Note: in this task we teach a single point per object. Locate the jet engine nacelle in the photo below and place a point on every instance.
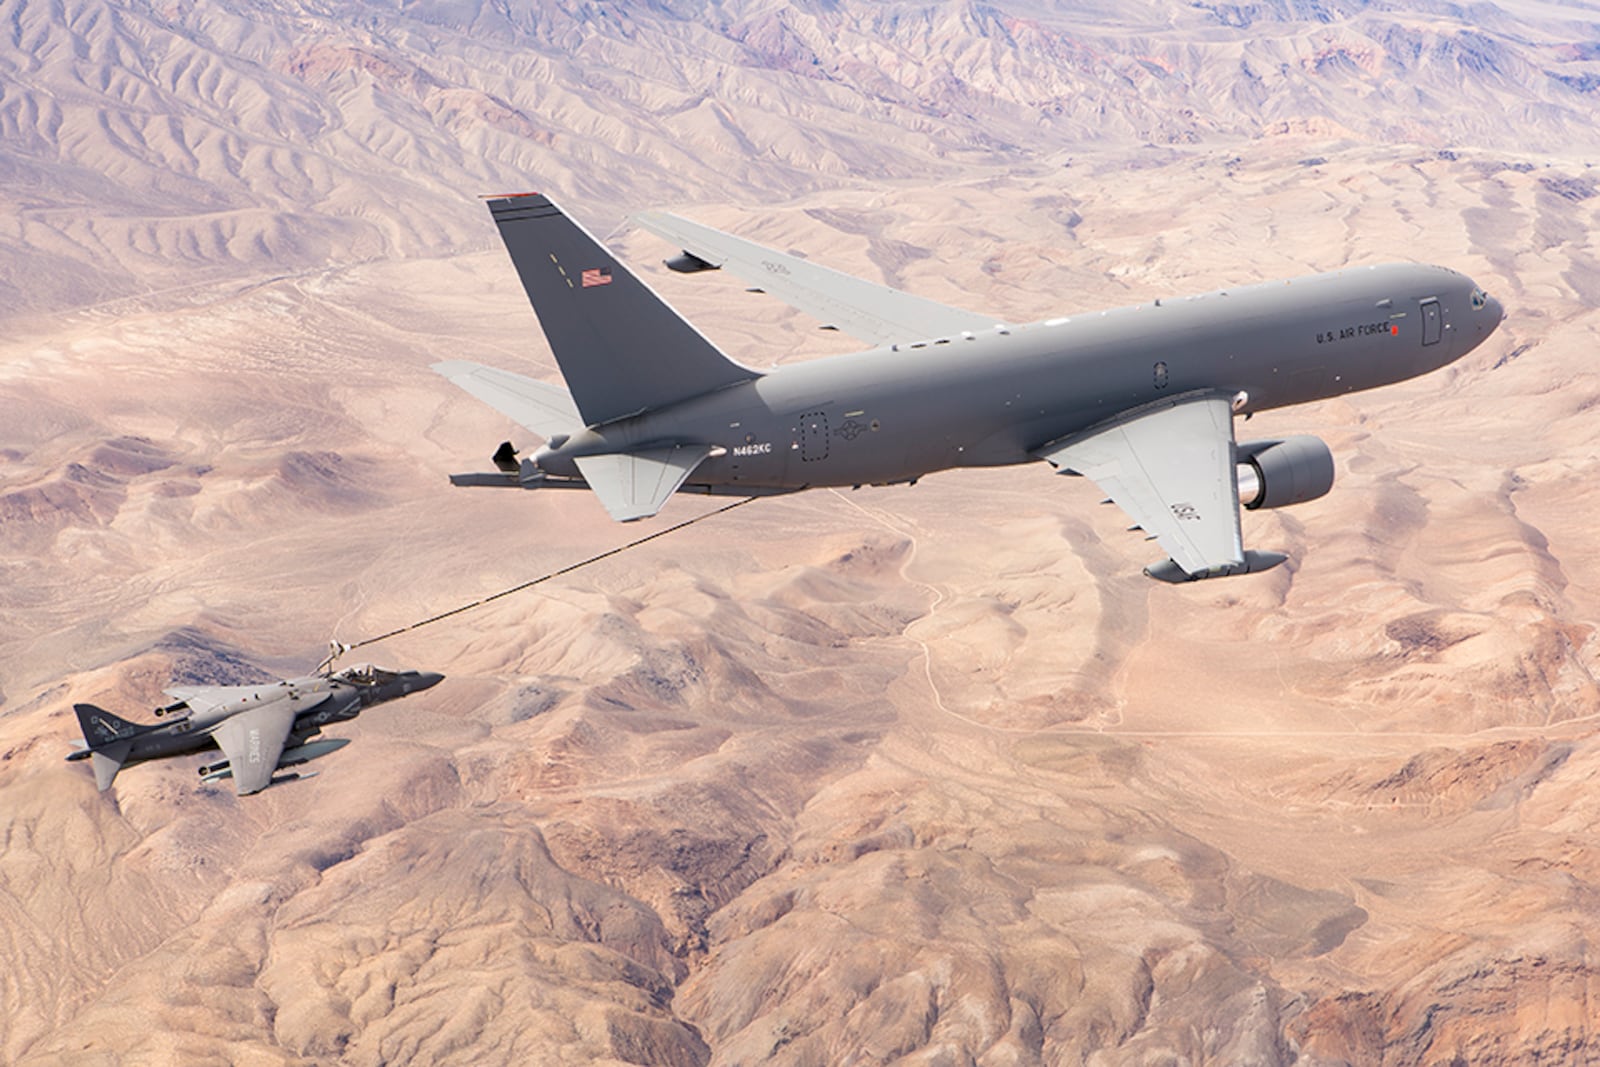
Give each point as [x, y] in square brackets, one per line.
[1287, 471]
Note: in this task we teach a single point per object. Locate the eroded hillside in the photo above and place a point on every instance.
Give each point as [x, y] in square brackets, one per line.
[922, 775]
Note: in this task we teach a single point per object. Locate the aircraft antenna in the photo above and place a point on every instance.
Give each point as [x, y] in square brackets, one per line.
[337, 648]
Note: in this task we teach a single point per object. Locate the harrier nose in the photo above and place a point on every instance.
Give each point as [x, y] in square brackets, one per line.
[417, 681]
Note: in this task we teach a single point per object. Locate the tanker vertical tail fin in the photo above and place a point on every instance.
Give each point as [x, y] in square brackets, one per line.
[621, 348]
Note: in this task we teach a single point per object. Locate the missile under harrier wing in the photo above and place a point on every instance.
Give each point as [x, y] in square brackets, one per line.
[873, 313]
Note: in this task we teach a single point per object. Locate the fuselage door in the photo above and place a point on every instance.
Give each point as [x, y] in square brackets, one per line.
[1432, 321]
[813, 436]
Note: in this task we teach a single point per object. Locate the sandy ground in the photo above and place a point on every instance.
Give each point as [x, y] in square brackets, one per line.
[917, 772]
[918, 775]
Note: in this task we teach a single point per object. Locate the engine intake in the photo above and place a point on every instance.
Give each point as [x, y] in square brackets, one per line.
[1292, 470]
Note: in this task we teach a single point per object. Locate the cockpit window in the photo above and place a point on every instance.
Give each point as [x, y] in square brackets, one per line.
[1479, 299]
[366, 674]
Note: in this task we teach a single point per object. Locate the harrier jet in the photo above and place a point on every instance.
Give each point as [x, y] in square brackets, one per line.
[1141, 400]
[259, 728]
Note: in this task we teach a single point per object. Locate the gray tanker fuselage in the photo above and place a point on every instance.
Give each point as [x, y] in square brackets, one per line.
[1140, 399]
[991, 398]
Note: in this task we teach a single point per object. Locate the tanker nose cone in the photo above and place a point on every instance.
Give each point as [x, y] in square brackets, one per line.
[1487, 312]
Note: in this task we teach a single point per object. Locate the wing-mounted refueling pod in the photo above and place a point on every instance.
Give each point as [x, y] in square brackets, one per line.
[1254, 562]
[686, 262]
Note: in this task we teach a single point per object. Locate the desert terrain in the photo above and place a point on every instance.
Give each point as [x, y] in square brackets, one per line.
[916, 775]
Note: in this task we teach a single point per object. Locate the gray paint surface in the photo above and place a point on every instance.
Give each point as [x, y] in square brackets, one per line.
[987, 394]
[258, 728]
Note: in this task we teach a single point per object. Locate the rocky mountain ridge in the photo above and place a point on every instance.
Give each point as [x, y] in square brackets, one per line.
[153, 145]
[903, 775]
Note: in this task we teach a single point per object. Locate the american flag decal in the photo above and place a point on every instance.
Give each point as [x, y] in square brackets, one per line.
[597, 276]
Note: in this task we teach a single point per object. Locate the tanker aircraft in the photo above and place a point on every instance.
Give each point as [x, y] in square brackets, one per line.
[1141, 400]
[259, 728]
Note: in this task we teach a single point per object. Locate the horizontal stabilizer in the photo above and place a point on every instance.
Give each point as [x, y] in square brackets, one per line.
[545, 409]
[107, 762]
[635, 485]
